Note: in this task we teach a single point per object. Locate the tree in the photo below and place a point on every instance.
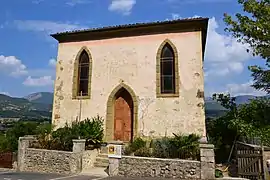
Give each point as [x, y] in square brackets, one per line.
[249, 121]
[252, 28]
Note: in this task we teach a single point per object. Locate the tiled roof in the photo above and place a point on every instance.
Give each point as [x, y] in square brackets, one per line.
[108, 28]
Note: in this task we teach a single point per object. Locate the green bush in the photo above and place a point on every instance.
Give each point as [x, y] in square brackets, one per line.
[180, 146]
[90, 129]
[9, 141]
[137, 144]
[218, 173]
[162, 148]
[143, 152]
[185, 147]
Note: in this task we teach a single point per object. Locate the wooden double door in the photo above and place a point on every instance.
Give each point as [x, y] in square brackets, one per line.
[123, 116]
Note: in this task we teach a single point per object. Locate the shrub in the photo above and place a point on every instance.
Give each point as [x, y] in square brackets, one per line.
[90, 129]
[137, 144]
[143, 152]
[185, 147]
[180, 146]
[161, 148]
[20, 129]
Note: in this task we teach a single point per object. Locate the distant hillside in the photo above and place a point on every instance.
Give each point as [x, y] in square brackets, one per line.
[214, 109]
[11, 107]
[39, 105]
[40, 97]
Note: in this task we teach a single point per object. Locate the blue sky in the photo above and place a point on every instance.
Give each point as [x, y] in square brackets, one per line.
[27, 52]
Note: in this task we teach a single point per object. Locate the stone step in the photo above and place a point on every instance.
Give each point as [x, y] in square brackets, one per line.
[102, 159]
[103, 155]
[103, 150]
[101, 164]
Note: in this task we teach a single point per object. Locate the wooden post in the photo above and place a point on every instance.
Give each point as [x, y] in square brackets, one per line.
[265, 173]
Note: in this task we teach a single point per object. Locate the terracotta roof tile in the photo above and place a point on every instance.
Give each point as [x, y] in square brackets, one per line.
[107, 28]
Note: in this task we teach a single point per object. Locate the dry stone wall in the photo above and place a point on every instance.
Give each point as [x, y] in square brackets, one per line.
[48, 161]
[52, 161]
[156, 167]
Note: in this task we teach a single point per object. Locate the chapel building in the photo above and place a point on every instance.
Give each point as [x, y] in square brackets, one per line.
[144, 79]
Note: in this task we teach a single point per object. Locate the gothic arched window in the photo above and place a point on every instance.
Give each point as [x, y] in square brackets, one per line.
[167, 70]
[82, 74]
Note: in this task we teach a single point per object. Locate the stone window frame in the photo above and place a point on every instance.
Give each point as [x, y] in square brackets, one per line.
[76, 74]
[109, 129]
[176, 71]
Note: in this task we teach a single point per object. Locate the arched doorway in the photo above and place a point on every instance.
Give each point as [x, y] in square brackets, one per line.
[123, 116]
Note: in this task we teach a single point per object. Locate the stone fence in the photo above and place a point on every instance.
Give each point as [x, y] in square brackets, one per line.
[52, 161]
[132, 166]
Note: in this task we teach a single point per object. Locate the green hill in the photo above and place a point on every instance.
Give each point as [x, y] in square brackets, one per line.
[12, 107]
[39, 105]
[40, 97]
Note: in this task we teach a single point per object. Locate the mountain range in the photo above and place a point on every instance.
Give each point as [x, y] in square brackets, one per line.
[39, 105]
[33, 106]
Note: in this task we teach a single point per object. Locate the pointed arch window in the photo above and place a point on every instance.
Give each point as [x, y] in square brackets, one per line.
[83, 78]
[167, 70]
[82, 74]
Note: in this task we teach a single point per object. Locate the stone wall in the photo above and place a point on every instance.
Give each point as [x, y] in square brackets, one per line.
[132, 166]
[88, 159]
[51, 161]
[157, 167]
[48, 161]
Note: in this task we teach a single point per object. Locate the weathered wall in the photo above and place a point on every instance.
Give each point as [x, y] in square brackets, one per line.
[132, 60]
[88, 159]
[156, 167]
[49, 161]
[52, 161]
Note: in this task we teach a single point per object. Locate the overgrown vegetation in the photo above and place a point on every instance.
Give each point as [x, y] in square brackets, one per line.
[9, 140]
[180, 146]
[60, 139]
[247, 121]
[90, 129]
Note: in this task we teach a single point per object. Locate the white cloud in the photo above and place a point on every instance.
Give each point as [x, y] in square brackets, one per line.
[65, 2]
[41, 81]
[47, 27]
[122, 6]
[77, 2]
[5, 93]
[175, 16]
[12, 66]
[52, 62]
[224, 55]
[235, 89]
[243, 89]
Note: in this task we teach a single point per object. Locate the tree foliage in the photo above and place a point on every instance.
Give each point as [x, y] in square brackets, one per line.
[9, 140]
[60, 139]
[248, 121]
[252, 28]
